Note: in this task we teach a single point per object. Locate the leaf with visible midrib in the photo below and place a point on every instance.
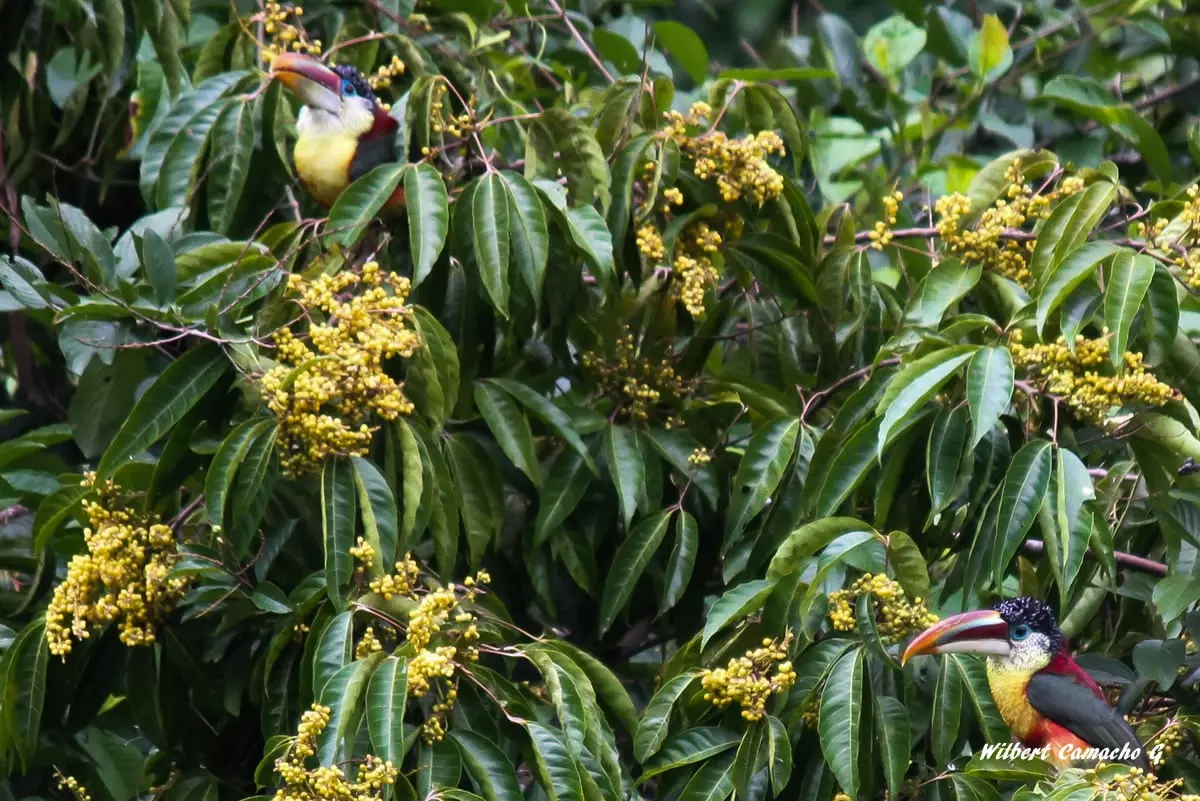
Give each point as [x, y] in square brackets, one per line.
[629, 564]
[1129, 279]
[656, 719]
[165, 403]
[1025, 485]
[840, 721]
[989, 388]
[358, 204]
[428, 211]
[387, 695]
[489, 238]
[337, 527]
[491, 769]
[25, 671]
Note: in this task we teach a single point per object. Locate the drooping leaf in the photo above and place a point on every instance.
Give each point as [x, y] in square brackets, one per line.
[629, 563]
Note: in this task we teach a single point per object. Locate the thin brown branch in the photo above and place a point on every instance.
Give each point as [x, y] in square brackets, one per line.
[817, 399]
[1129, 560]
[578, 37]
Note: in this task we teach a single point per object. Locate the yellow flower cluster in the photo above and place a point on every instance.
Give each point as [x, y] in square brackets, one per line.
[739, 165]
[700, 456]
[1134, 785]
[740, 169]
[637, 385]
[323, 389]
[988, 243]
[881, 237]
[402, 582]
[382, 77]
[1183, 249]
[363, 554]
[751, 679]
[896, 617]
[283, 34]
[123, 576]
[1170, 738]
[810, 716]
[368, 644]
[650, 243]
[327, 783]
[74, 787]
[453, 124]
[1075, 377]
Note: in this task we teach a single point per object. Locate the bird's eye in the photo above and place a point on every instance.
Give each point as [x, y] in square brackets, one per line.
[1019, 632]
[348, 87]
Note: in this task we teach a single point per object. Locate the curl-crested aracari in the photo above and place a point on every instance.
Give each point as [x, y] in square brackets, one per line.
[343, 131]
[1042, 693]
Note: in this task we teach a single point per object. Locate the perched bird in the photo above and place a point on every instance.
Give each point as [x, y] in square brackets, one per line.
[343, 131]
[1044, 696]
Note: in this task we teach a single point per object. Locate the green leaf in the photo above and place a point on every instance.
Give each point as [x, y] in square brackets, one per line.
[361, 201]
[749, 757]
[557, 769]
[759, 473]
[656, 719]
[914, 385]
[947, 711]
[439, 356]
[840, 722]
[735, 604]
[510, 428]
[428, 210]
[562, 492]
[892, 735]
[682, 561]
[688, 747]
[529, 231]
[381, 529]
[544, 409]
[1129, 278]
[1159, 660]
[676, 447]
[337, 527]
[890, 46]
[1091, 99]
[343, 694]
[25, 688]
[1069, 226]
[482, 490]
[779, 755]
[629, 563]
[1072, 488]
[335, 650]
[1173, 595]
[229, 164]
[176, 390]
[713, 782]
[944, 455]
[586, 229]
[975, 681]
[53, 511]
[159, 262]
[991, 181]
[491, 770]
[687, 48]
[907, 560]
[412, 487]
[940, 289]
[990, 54]
[1061, 280]
[1025, 485]
[490, 239]
[625, 467]
[228, 459]
[990, 382]
[794, 552]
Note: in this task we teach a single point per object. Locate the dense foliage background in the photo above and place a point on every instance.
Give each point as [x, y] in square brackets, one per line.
[719, 347]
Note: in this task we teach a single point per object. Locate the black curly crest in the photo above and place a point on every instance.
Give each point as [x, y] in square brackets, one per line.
[351, 74]
[1033, 613]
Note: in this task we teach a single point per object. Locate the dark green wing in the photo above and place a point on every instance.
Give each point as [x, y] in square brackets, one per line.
[1080, 711]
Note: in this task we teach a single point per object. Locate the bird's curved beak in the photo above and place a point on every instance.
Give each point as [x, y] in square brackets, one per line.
[980, 632]
[309, 79]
